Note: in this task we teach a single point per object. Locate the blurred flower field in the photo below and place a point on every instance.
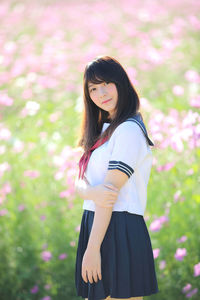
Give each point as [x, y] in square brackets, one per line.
[45, 46]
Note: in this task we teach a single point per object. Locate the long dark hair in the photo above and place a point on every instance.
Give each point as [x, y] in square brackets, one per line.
[105, 69]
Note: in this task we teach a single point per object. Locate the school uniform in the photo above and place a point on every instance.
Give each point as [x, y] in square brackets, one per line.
[127, 263]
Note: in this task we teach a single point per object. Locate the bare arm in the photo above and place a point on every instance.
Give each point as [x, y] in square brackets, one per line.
[103, 214]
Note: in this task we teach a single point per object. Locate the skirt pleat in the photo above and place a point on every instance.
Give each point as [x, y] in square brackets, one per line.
[127, 262]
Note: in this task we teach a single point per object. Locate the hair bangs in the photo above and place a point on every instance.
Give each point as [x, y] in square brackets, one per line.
[97, 73]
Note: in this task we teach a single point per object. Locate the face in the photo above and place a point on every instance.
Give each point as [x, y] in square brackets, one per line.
[104, 91]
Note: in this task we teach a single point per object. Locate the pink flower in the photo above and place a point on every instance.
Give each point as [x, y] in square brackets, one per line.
[5, 134]
[194, 21]
[186, 288]
[182, 239]
[21, 207]
[162, 264]
[46, 255]
[47, 286]
[27, 94]
[192, 76]
[163, 219]
[195, 102]
[156, 225]
[62, 256]
[190, 172]
[165, 167]
[156, 253]
[72, 243]
[180, 253]
[31, 173]
[77, 229]
[7, 188]
[177, 195]
[197, 269]
[55, 116]
[191, 293]
[178, 90]
[5, 100]
[65, 194]
[34, 290]
[3, 212]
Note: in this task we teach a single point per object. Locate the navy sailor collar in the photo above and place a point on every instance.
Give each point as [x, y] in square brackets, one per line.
[138, 119]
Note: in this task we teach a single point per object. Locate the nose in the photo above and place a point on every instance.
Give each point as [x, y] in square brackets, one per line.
[102, 91]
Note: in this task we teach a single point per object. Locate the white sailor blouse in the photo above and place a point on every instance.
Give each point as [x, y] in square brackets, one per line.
[127, 150]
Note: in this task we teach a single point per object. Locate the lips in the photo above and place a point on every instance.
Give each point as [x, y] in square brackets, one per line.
[106, 101]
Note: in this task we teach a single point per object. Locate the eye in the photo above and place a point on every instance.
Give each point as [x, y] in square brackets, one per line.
[106, 82]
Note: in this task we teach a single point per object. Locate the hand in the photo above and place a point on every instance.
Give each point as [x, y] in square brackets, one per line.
[91, 265]
[104, 195]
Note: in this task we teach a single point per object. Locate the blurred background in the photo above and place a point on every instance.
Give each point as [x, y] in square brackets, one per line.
[44, 47]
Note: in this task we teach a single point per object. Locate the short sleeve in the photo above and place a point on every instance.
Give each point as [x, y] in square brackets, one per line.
[129, 148]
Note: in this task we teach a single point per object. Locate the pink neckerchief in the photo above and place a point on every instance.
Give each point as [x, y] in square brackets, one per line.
[85, 158]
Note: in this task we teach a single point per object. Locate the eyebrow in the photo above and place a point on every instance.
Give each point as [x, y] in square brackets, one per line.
[90, 85]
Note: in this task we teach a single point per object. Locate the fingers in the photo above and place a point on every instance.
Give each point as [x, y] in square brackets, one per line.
[91, 277]
[112, 192]
[105, 205]
[110, 186]
[84, 278]
[84, 275]
[95, 277]
[110, 203]
[99, 275]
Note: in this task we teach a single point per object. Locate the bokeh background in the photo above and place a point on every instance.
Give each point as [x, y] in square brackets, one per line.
[44, 47]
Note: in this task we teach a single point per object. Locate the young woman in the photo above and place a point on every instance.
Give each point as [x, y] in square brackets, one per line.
[114, 256]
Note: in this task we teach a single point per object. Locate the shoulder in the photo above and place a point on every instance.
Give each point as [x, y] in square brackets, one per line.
[129, 133]
[128, 128]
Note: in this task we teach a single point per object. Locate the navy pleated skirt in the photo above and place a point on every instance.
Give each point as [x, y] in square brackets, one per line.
[127, 262]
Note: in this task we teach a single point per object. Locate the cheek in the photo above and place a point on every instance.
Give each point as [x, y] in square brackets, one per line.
[113, 89]
[95, 99]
